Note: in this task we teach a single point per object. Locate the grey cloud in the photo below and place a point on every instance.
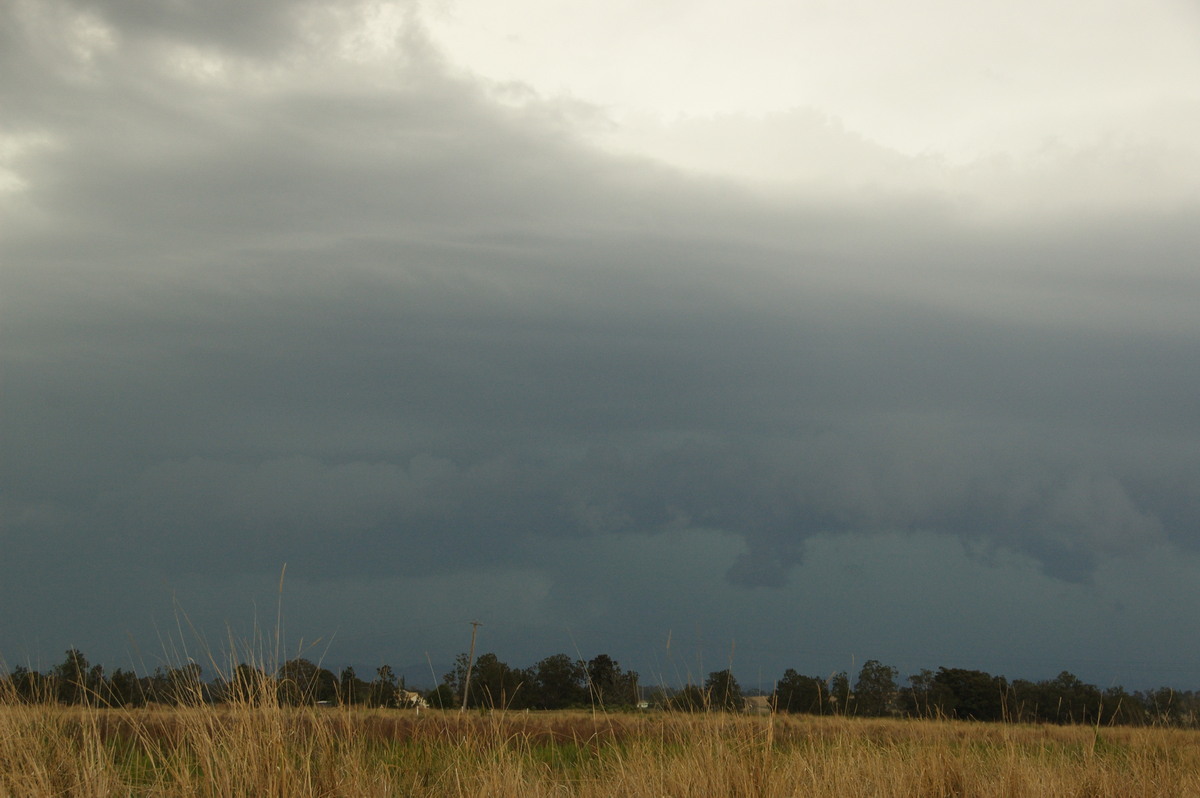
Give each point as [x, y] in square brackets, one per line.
[254, 28]
[728, 416]
[400, 330]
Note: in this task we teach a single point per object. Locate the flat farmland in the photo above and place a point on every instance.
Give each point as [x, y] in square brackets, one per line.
[51, 750]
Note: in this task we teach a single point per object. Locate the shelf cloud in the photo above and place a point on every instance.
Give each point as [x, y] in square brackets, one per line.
[283, 284]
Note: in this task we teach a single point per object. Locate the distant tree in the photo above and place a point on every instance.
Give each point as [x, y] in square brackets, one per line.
[609, 685]
[442, 697]
[970, 695]
[1166, 706]
[351, 689]
[32, 687]
[303, 682]
[183, 685]
[327, 688]
[723, 691]
[456, 678]
[629, 691]
[96, 684]
[295, 679]
[1122, 708]
[841, 700]
[558, 683]
[603, 675]
[494, 684]
[875, 689]
[157, 686]
[385, 688]
[249, 686]
[690, 698]
[70, 677]
[1078, 702]
[125, 689]
[914, 699]
[797, 693]
[925, 697]
[1162, 705]
[660, 697]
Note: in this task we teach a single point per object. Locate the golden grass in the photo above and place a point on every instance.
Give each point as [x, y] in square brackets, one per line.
[52, 750]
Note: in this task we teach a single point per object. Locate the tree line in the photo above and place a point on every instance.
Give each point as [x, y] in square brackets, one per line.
[560, 682]
[977, 695]
[297, 681]
[556, 682]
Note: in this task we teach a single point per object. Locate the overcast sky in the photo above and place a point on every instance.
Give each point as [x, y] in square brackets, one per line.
[780, 334]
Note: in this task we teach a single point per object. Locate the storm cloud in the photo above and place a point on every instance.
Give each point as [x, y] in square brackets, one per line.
[274, 292]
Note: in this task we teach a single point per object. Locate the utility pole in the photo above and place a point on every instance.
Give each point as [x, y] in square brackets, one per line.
[470, 663]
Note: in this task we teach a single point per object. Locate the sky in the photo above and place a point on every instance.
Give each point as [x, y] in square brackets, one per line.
[762, 335]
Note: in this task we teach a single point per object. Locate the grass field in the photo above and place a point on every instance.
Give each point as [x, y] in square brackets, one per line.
[51, 750]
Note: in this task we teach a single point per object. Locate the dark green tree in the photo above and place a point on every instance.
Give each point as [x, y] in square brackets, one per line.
[384, 688]
[797, 693]
[183, 685]
[688, 699]
[1077, 701]
[494, 684]
[456, 678]
[125, 689]
[603, 676]
[303, 682]
[609, 685]
[442, 697]
[1163, 705]
[70, 678]
[351, 689]
[841, 700]
[249, 686]
[723, 691]
[1122, 708]
[558, 683]
[925, 697]
[970, 695]
[32, 687]
[97, 685]
[875, 689]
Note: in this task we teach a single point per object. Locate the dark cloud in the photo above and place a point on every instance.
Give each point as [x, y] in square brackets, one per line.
[393, 329]
[256, 29]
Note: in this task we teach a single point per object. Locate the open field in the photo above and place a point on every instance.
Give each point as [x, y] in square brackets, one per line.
[54, 750]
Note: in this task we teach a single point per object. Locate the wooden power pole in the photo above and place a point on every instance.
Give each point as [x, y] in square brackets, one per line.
[470, 663]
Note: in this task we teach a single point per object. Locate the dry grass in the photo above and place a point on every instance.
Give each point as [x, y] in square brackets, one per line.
[51, 750]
